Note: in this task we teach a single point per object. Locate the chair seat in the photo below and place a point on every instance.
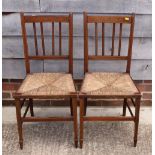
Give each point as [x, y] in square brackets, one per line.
[47, 84]
[103, 83]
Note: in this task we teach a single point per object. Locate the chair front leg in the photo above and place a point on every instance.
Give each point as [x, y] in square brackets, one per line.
[81, 121]
[74, 105]
[19, 122]
[31, 106]
[137, 109]
[124, 107]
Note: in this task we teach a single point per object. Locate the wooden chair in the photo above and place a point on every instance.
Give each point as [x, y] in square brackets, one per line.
[46, 85]
[109, 85]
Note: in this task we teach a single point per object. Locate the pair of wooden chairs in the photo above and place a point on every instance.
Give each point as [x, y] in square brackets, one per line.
[61, 86]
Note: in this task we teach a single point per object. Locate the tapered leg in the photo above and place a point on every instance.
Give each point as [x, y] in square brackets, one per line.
[81, 122]
[137, 108]
[85, 106]
[124, 107]
[31, 106]
[19, 122]
[71, 107]
[74, 105]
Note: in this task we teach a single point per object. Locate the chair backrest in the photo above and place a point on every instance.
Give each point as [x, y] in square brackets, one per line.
[40, 21]
[112, 54]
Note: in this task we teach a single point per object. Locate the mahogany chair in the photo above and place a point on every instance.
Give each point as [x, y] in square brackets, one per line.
[109, 85]
[46, 85]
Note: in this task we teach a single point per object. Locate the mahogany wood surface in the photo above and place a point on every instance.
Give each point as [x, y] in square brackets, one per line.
[115, 55]
[21, 99]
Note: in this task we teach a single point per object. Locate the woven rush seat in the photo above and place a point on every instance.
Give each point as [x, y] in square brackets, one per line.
[103, 83]
[47, 84]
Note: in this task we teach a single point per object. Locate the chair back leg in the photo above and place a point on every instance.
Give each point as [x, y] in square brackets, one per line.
[124, 107]
[85, 106]
[71, 107]
[31, 106]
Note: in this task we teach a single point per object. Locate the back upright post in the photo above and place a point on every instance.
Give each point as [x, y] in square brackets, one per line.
[130, 44]
[27, 63]
[85, 43]
[71, 43]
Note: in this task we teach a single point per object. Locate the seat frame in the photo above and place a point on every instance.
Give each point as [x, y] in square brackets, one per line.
[135, 98]
[21, 100]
